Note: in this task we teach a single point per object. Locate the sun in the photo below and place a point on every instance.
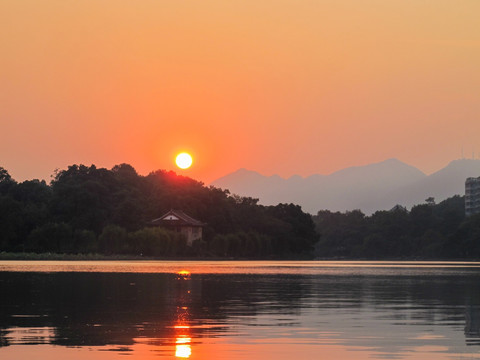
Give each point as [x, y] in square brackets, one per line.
[184, 160]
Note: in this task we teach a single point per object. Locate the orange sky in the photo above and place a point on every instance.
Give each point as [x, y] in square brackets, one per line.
[285, 87]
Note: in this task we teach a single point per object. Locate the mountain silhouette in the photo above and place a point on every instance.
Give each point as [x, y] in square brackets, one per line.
[378, 186]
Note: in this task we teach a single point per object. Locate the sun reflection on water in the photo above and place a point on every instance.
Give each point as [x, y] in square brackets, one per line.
[183, 339]
[184, 274]
[183, 348]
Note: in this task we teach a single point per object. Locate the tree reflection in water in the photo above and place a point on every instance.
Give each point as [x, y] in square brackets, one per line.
[177, 313]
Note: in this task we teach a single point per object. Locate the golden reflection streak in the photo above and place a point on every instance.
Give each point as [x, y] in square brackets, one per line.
[183, 275]
[183, 348]
[183, 340]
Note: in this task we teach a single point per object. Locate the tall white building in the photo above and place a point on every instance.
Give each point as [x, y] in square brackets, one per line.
[472, 196]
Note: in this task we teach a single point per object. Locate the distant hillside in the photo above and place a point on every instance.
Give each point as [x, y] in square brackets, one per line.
[441, 185]
[372, 187]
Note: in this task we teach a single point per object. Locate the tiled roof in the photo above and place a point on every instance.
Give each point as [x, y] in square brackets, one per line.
[184, 218]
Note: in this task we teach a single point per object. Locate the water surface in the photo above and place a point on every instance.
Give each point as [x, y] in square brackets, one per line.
[239, 310]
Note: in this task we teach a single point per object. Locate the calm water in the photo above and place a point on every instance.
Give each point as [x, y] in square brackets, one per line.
[239, 310]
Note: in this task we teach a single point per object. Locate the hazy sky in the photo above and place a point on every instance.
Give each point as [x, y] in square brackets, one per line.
[285, 87]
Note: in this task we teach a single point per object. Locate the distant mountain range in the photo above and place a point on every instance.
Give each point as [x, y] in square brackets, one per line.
[372, 187]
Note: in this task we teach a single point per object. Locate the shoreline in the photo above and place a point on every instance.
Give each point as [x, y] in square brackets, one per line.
[7, 256]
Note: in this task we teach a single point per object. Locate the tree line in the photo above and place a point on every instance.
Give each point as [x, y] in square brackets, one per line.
[427, 231]
[85, 209]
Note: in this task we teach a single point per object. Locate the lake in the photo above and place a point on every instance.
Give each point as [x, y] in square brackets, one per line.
[239, 310]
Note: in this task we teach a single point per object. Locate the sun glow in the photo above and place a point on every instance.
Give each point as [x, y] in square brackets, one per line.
[184, 160]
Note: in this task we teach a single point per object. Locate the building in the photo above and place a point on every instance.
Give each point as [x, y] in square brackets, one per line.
[177, 220]
[472, 196]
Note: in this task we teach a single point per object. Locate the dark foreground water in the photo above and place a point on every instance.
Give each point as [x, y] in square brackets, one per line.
[239, 310]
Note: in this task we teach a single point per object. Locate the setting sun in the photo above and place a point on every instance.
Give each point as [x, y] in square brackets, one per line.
[184, 160]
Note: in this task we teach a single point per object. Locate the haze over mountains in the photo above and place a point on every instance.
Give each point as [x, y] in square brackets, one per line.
[372, 187]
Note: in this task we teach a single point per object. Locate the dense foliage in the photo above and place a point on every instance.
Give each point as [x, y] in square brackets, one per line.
[427, 231]
[86, 209]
